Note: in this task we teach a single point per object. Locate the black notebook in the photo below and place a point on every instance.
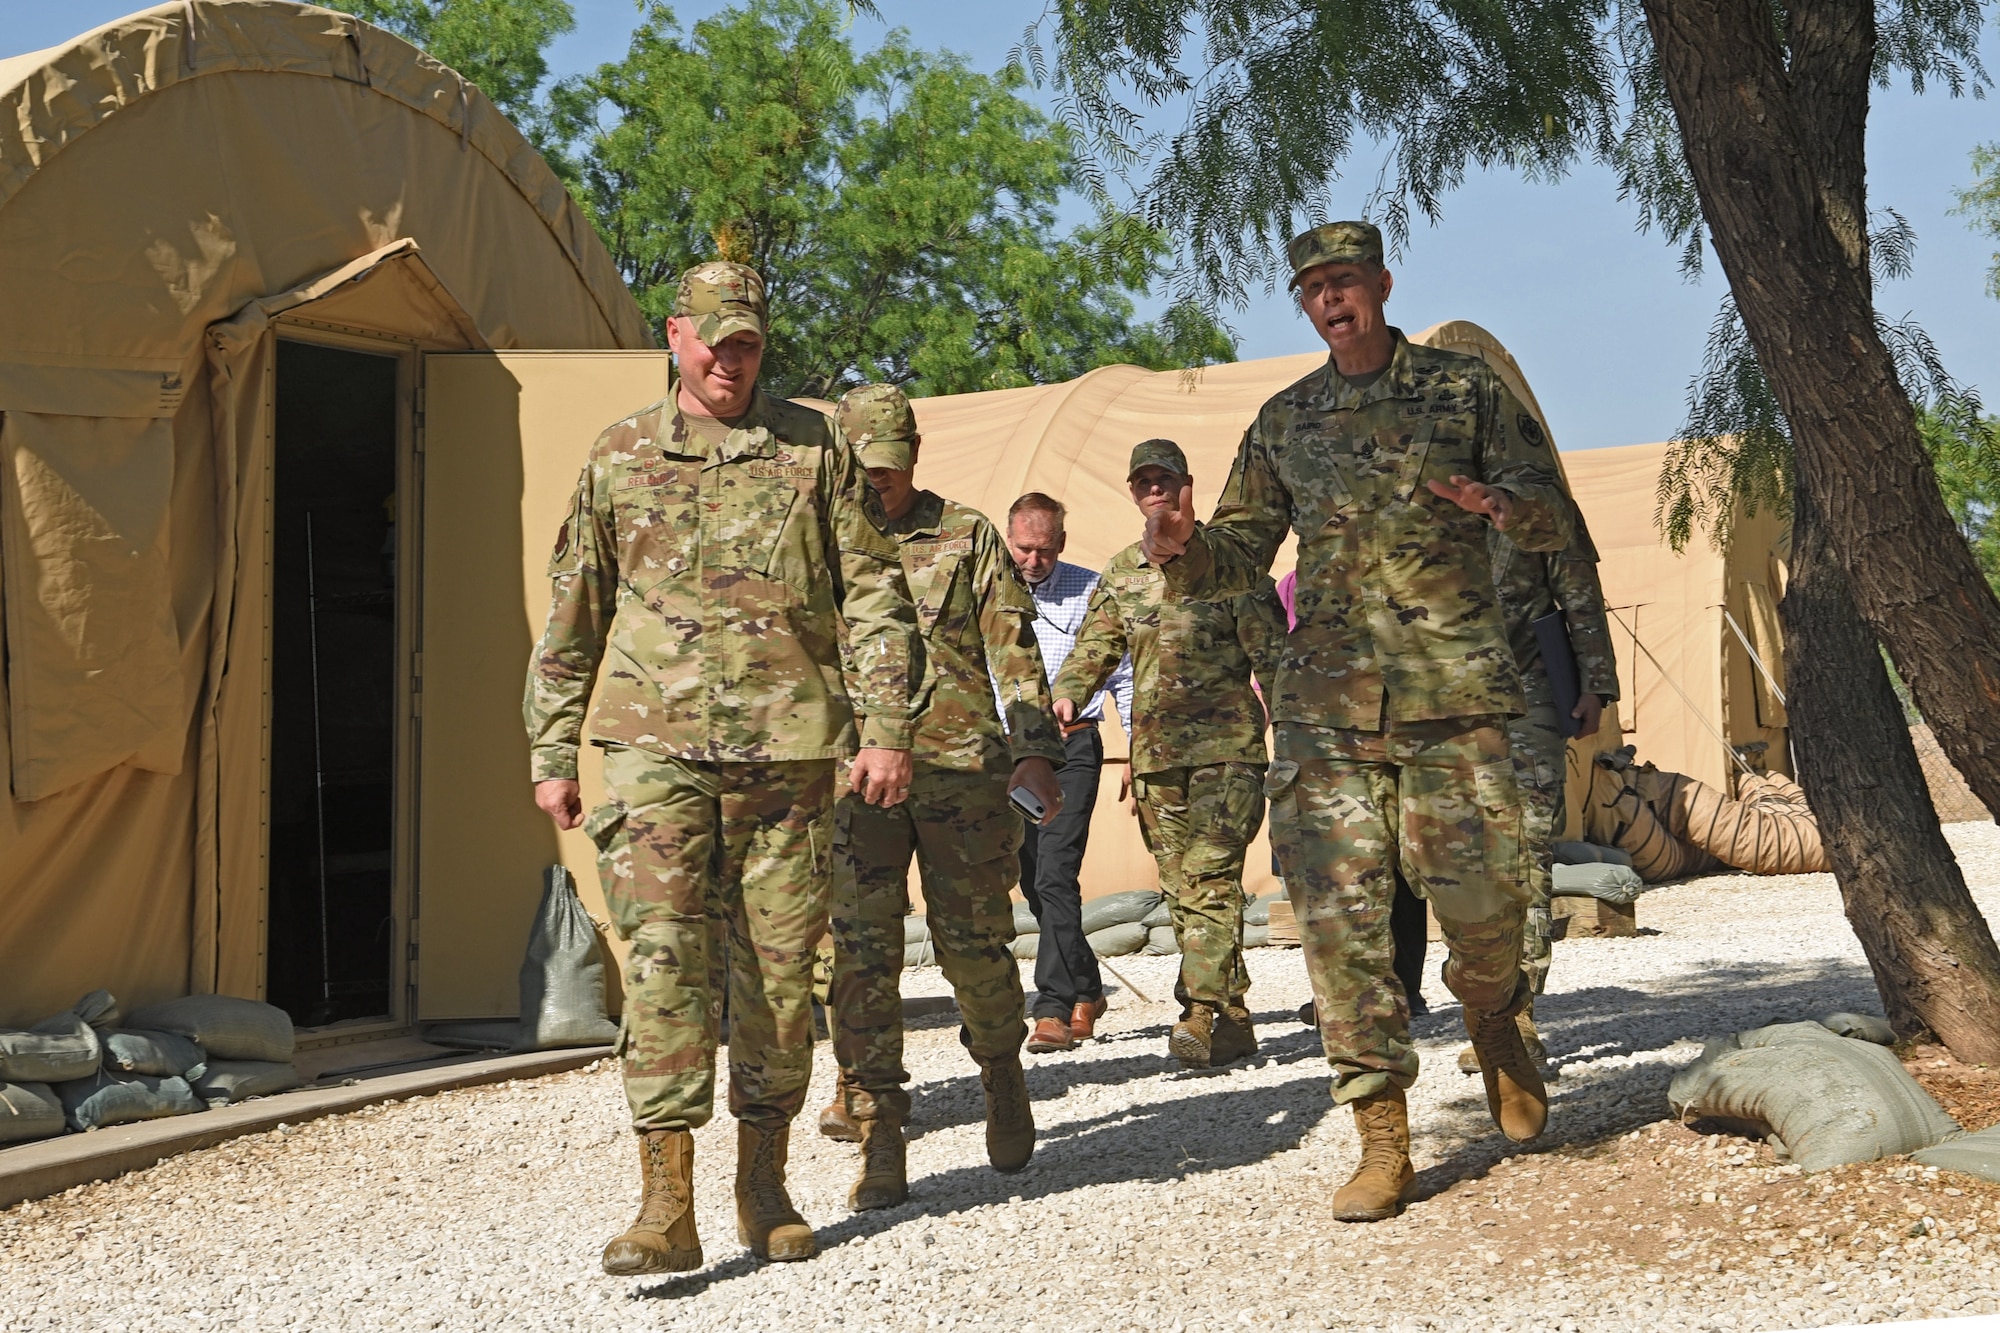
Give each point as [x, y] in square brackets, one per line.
[1559, 661]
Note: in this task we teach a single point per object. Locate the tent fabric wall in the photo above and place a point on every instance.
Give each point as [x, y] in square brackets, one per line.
[177, 188]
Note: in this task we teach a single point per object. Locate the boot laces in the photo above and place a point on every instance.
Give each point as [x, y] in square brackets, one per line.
[1495, 1037]
[1379, 1146]
[662, 1202]
[878, 1140]
[1005, 1091]
[767, 1185]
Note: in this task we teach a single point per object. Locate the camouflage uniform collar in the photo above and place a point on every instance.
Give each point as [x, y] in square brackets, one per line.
[751, 437]
[924, 519]
[1398, 381]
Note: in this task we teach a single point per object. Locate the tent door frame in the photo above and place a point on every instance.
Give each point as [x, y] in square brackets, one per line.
[403, 950]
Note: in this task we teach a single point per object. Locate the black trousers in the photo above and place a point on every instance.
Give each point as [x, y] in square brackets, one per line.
[1051, 855]
[1409, 926]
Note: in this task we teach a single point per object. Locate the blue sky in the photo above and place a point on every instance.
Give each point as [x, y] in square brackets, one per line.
[1597, 314]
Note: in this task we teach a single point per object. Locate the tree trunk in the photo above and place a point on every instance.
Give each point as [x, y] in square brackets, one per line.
[1774, 142]
[1933, 957]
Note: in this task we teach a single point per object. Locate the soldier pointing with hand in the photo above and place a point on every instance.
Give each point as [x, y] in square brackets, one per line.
[1391, 463]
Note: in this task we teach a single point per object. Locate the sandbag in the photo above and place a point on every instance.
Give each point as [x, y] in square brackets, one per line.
[228, 1081]
[1258, 913]
[1257, 937]
[1163, 915]
[1590, 853]
[106, 1099]
[29, 1111]
[55, 1050]
[161, 1054]
[1769, 830]
[1974, 1154]
[1116, 941]
[562, 978]
[1603, 880]
[1822, 1099]
[99, 1009]
[920, 953]
[1160, 940]
[1119, 909]
[225, 1026]
[915, 929]
[1861, 1027]
[1024, 921]
[1024, 946]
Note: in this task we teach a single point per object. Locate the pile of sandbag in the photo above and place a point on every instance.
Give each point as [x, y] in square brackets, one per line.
[1139, 921]
[90, 1066]
[1674, 826]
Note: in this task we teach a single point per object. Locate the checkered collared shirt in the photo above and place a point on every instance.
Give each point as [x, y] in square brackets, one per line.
[1060, 601]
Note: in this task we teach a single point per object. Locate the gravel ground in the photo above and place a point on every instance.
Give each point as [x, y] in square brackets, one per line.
[1157, 1200]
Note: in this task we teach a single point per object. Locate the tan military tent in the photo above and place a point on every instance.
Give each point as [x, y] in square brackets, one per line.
[1072, 441]
[258, 464]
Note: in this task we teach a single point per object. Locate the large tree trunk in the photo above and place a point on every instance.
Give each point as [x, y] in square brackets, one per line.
[1773, 127]
[1933, 957]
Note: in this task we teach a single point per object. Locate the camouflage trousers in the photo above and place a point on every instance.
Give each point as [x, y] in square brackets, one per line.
[1541, 765]
[964, 834]
[718, 875]
[1198, 823]
[1438, 797]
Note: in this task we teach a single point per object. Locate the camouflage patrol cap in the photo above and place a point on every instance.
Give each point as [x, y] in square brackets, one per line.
[1158, 453]
[877, 421]
[1334, 243]
[721, 298]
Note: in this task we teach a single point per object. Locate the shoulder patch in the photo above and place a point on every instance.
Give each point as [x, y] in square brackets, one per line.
[1531, 431]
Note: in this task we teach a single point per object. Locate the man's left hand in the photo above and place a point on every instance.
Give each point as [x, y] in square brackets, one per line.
[1589, 711]
[1476, 497]
[881, 776]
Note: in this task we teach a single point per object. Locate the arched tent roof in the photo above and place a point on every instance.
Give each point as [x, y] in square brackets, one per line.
[162, 171]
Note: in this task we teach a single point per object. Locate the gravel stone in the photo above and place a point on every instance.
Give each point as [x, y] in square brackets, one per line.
[1157, 1200]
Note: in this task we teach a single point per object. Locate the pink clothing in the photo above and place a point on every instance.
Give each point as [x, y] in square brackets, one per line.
[1288, 593]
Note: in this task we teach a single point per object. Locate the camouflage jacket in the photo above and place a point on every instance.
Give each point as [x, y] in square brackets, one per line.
[1191, 662]
[1532, 584]
[975, 617]
[1398, 618]
[708, 587]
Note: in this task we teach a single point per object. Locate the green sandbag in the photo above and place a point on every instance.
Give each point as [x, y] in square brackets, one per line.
[226, 1026]
[1163, 915]
[228, 1081]
[1861, 1027]
[1822, 1099]
[1025, 923]
[1117, 941]
[119, 1099]
[29, 1111]
[1119, 909]
[1590, 853]
[915, 929]
[161, 1054]
[56, 1050]
[1603, 881]
[1257, 937]
[1258, 913]
[920, 953]
[1024, 946]
[1160, 940]
[1974, 1154]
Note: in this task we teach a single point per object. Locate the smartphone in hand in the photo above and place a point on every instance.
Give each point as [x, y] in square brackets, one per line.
[1029, 804]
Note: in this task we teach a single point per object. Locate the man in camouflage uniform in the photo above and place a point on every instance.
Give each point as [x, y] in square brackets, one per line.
[1197, 752]
[1389, 462]
[974, 615]
[1534, 584]
[717, 542]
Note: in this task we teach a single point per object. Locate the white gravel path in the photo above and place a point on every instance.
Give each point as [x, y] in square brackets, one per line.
[1156, 1201]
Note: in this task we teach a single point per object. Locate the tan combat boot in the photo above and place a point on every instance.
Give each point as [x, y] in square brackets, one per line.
[662, 1239]
[1516, 1098]
[1234, 1037]
[1193, 1039]
[765, 1218]
[1010, 1118]
[1468, 1059]
[884, 1179]
[834, 1122]
[1383, 1182]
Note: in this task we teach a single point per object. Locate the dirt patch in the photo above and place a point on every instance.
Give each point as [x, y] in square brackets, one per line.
[1970, 1094]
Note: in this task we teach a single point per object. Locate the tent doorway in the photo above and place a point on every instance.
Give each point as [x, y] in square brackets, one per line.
[336, 735]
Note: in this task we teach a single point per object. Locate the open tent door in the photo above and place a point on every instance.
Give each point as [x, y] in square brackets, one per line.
[505, 435]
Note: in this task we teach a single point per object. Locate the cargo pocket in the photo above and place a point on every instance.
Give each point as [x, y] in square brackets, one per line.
[603, 825]
[1499, 799]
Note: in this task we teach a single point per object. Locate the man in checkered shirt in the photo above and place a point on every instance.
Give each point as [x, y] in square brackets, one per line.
[1069, 993]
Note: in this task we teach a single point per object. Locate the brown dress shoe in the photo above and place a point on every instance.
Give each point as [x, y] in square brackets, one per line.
[662, 1238]
[1083, 1018]
[1382, 1184]
[765, 1218]
[1050, 1034]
